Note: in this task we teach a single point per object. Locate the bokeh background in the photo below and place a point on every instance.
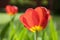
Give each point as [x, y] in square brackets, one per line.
[52, 5]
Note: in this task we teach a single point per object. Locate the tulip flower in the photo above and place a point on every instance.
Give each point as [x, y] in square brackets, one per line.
[35, 19]
[11, 10]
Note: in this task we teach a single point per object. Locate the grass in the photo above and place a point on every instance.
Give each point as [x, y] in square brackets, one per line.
[4, 18]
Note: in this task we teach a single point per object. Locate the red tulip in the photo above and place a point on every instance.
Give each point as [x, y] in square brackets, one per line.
[35, 19]
[11, 10]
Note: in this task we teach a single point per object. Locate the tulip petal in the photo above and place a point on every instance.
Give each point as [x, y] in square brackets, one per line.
[40, 14]
[28, 16]
[8, 9]
[45, 18]
[14, 9]
[11, 10]
[23, 20]
[35, 18]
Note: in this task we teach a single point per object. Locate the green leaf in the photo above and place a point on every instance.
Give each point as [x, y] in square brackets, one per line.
[12, 30]
[30, 36]
[53, 32]
[46, 37]
[5, 29]
[22, 34]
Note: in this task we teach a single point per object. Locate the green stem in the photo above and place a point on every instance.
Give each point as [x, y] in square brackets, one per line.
[36, 35]
[11, 27]
[43, 35]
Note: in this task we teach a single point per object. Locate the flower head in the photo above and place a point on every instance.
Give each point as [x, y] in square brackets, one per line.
[35, 19]
[11, 10]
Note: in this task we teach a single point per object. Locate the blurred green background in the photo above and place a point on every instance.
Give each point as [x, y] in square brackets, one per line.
[52, 5]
